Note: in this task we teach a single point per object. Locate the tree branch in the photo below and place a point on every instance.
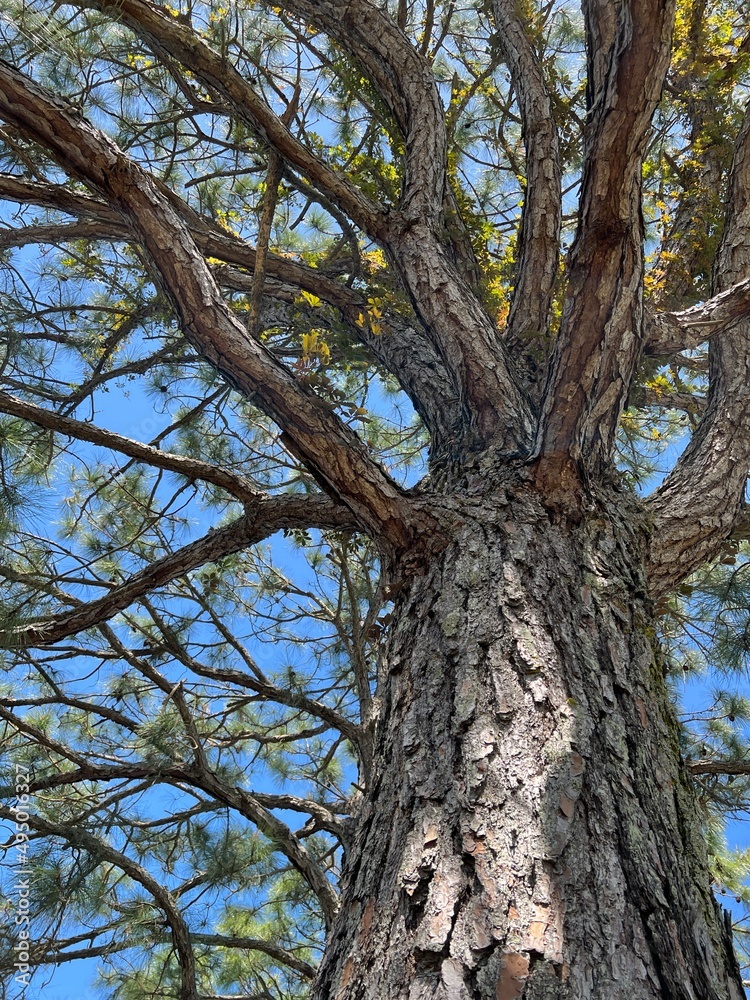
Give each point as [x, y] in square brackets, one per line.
[270, 514]
[539, 235]
[599, 342]
[313, 430]
[683, 256]
[100, 221]
[276, 831]
[460, 330]
[256, 683]
[495, 407]
[273, 951]
[197, 776]
[668, 400]
[166, 34]
[671, 332]
[270, 200]
[323, 816]
[404, 350]
[192, 468]
[717, 767]
[59, 956]
[76, 836]
[60, 199]
[404, 79]
[700, 502]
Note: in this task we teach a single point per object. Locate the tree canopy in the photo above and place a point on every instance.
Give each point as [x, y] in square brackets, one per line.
[271, 275]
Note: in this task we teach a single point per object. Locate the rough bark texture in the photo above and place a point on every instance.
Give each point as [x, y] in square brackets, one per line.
[595, 355]
[527, 830]
[530, 833]
[704, 493]
[539, 233]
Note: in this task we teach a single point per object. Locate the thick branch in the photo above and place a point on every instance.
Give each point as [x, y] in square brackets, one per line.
[404, 350]
[670, 332]
[270, 514]
[700, 502]
[539, 236]
[313, 430]
[718, 767]
[458, 326]
[494, 406]
[599, 342]
[164, 33]
[601, 18]
[405, 81]
[85, 229]
[60, 199]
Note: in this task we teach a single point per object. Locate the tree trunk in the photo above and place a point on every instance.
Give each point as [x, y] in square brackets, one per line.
[530, 832]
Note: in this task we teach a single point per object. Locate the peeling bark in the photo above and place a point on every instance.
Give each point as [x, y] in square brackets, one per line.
[527, 830]
[530, 832]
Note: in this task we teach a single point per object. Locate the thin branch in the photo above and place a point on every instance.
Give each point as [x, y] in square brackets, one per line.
[669, 400]
[277, 832]
[273, 951]
[270, 514]
[257, 683]
[195, 775]
[192, 468]
[102, 222]
[270, 200]
[407, 353]
[325, 819]
[166, 34]
[76, 836]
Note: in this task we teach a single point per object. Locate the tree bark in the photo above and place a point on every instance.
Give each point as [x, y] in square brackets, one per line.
[530, 832]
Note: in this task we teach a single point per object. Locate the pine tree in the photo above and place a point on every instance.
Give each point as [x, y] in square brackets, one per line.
[374, 439]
